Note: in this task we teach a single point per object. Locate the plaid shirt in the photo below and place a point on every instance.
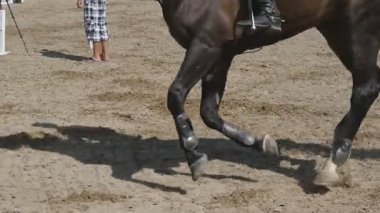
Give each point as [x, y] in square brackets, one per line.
[95, 20]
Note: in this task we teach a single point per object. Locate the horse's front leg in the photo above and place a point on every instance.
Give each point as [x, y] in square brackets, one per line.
[199, 59]
[213, 85]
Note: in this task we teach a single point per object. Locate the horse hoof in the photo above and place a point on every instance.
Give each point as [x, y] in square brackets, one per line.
[327, 176]
[343, 153]
[198, 168]
[331, 175]
[270, 147]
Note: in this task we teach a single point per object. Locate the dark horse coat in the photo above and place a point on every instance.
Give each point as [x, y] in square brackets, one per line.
[207, 30]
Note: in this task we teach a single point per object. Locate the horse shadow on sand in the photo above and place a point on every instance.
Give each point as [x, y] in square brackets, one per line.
[128, 154]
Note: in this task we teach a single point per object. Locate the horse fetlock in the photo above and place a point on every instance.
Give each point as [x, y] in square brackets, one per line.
[342, 152]
[247, 139]
[198, 168]
[241, 136]
[190, 142]
[185, 130]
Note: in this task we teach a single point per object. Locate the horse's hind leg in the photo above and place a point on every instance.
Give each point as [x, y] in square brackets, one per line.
[199, 58]
[213, 85]
[358, 50]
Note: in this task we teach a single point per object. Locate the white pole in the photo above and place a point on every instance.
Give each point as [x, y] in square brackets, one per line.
[2, 32]
[2, 27]
[4, 2]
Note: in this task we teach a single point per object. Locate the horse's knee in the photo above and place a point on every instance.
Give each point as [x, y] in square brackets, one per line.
[175, 97]
[365, 94]
[211, 117]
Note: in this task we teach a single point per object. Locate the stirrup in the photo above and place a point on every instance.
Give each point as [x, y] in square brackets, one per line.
[251, 21]
[244, 23]
[273, 24]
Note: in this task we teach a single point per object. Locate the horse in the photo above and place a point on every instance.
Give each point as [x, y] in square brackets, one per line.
[209, 32]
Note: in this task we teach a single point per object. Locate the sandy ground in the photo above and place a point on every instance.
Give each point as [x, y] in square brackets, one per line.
[85, 137]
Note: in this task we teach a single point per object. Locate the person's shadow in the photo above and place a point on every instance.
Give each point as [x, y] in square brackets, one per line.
[56, 54]
[129, 154]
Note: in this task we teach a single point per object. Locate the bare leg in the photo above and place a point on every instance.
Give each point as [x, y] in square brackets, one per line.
[104, 56]
[96, 51]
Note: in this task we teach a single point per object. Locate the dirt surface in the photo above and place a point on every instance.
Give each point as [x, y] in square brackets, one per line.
[97, 137]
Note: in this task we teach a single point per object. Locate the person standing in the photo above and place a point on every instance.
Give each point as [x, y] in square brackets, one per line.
[95, 24]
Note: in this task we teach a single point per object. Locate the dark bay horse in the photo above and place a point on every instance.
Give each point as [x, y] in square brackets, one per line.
[207, 30]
